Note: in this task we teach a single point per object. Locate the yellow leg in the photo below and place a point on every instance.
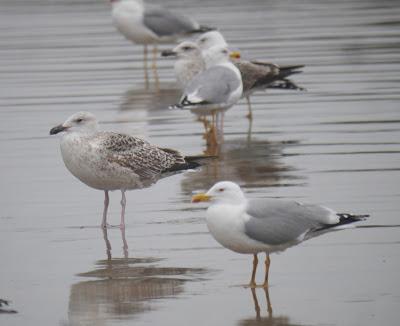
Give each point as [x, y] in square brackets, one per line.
[267, 264]
[253, 273]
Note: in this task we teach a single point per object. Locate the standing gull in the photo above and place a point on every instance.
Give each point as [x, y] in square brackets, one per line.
[265, 225]
[150, 24]
[215, 89]
[112, 161]
[256, 75]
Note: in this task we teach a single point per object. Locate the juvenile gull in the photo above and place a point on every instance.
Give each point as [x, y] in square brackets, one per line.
[113, 161]
[189, 61]
[265, 225]
[151, 24]
[256, 75]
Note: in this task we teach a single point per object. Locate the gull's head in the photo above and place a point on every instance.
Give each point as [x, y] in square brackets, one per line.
[226, 192]
[215, 55]
[208, 40]
[83, 122]
[184, 50]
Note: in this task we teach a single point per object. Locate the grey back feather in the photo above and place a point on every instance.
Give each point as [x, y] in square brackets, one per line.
[165, 23]
[278, 222]
[214, 85]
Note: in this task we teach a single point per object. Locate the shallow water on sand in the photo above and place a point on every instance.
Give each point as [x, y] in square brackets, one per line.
[336, 144]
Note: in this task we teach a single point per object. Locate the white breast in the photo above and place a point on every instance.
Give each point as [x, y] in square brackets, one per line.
[226, 225]
[127, 17]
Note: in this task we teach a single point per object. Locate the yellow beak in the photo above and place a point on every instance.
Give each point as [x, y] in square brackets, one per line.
[200, 198]
[234, 55]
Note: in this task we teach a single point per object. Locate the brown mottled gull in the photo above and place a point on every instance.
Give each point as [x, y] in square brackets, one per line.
[112, 161]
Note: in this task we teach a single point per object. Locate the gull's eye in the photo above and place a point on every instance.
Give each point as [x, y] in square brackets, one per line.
[186, 48]
[79, 120]
[224, 51]
[221, 189]
[202, 40]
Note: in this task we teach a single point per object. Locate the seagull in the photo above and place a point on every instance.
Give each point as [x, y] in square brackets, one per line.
[265, 225]
[216, 88]
[151, 24]
[112, 161]
[189, 61]
[256, 75]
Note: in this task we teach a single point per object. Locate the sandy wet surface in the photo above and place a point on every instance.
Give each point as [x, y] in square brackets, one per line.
[336, 144]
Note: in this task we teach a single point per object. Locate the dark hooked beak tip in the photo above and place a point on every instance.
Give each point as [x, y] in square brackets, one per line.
[168, 53]
[57, 129]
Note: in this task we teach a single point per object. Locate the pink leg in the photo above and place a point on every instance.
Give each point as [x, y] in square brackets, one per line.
[106, 202]
[123, 203]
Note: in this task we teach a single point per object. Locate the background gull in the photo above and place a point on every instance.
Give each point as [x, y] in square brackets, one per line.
[265, 225]
[150, 24]
[189, 61]
[256, 75]
[216, 88]
[112, 161]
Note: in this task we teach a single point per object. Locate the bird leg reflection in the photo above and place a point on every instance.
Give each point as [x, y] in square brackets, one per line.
[154, 66]
[145, 67]
[106, 202]
[267, 264]
[250, 114]
[257, 306]
[123, 204]
[253, 273]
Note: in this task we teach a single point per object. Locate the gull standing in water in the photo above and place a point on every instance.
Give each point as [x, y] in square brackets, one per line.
[256, 75]
[265, 225]
[150, 24]
[113, 161]
[215, 89]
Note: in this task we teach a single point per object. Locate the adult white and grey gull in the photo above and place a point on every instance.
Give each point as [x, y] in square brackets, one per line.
[151, 24]
[113, 161]
[215, 89]
[251, 226]
[256, 75]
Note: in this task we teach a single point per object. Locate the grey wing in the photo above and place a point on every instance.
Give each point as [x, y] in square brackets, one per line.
[214, 85]
[166, 23]
[278, 222]
[136, 154]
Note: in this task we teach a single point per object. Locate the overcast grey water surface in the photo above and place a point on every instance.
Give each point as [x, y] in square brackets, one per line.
[336, 144]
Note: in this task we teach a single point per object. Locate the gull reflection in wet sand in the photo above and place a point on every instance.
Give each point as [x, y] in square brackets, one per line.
[256, 164]
[269, 319]
[122, 288]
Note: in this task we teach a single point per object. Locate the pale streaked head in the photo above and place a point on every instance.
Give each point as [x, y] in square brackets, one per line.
[83, 122]
[184, 50]
[222, 192]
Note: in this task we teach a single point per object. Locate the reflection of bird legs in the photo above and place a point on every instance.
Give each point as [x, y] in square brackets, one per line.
[250, 114]
[257, 306]
[104, 223]
[125, 244]
[249, 130]
[108, 244]
[154, 66]
[145, 67]
[123, 204]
